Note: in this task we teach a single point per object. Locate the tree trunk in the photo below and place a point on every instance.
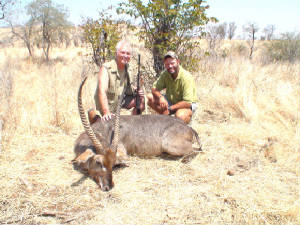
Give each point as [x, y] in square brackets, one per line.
[158, 61]
[29, 49]
[48, 48]
[157, 52]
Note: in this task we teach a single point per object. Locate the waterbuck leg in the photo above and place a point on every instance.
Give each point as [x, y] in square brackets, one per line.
[189, 157]
[177, 141]
[122, 156]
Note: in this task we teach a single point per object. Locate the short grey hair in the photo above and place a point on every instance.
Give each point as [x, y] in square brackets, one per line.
[122, 43]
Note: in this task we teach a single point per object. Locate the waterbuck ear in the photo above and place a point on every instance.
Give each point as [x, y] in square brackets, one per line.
[84, 157]
[99, 159]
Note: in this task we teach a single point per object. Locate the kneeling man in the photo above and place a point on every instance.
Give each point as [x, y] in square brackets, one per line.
[180, 98]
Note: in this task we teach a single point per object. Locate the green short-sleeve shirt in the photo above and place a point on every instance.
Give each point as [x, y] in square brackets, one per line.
[183, 88]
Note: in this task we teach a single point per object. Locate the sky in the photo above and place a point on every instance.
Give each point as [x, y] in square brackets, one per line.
[284, 14]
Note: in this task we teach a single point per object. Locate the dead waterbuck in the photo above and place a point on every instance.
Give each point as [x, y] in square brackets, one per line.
[98, 152]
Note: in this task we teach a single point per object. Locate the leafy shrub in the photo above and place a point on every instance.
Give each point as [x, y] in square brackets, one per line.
[286, 49]
[240, 49]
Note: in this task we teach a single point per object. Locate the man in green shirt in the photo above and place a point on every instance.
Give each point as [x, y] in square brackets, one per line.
[180, 98]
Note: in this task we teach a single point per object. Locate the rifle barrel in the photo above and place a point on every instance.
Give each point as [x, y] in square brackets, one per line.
[137, 101]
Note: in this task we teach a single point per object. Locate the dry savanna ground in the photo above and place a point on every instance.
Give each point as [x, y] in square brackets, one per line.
[248, 173]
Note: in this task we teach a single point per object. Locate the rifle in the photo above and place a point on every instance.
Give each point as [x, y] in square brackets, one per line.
[137, 100]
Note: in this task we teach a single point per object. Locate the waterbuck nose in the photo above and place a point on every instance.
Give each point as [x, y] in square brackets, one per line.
[106, 188]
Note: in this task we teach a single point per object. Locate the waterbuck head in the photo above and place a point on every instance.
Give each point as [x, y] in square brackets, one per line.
[99, 165]
[100, 168]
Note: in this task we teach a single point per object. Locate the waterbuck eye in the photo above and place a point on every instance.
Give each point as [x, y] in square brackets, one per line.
[98, 163]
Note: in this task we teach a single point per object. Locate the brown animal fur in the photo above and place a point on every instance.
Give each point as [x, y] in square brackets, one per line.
[142, 135]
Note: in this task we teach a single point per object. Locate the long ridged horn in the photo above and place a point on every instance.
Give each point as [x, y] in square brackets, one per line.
[87, 127]
[115, 140]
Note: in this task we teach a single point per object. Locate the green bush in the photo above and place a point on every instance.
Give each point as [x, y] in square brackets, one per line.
[286, 49]
[240, 49]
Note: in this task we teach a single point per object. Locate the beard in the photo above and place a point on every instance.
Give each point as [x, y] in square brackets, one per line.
[173, 71]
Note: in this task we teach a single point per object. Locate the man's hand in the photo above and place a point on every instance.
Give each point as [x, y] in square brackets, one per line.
[107, 117]
[141, 93]
[163, 103]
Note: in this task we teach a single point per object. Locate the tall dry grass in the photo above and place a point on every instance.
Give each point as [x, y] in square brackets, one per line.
[264, 98]
[44, 95]
[248, 121]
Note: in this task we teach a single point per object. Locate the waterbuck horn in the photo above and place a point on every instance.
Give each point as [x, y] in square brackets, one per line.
[115, 140]
[86, 124]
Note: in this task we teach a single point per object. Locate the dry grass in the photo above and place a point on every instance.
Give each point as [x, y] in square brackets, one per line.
[248, 173]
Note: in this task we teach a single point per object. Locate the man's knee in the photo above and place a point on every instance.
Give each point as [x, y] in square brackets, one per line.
[149, 97]
[150, 100]
[93, 116]
[184, 114]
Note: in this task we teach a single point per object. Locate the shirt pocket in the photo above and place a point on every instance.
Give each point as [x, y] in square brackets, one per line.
[110, 96]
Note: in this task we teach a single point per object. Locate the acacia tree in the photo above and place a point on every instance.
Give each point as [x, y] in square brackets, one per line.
[215, 33]
[251, 29]
[222, 30]
[21, 26]
[212, 36]
[167, 24]
[52, 19]
[231, 30]
[269, 32]
[102, 35]
[25, 33]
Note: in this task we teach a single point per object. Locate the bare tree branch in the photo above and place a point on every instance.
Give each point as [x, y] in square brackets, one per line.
[4, 4]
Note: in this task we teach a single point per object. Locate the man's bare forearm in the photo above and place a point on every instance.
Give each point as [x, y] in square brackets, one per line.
[156, 93]
[103, 103]
[181, 105]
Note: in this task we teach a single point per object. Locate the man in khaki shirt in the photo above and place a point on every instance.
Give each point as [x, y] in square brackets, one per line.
[111, 81]
[180, 98]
